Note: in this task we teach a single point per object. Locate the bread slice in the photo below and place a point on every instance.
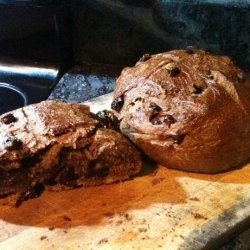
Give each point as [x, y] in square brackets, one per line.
[60, 143]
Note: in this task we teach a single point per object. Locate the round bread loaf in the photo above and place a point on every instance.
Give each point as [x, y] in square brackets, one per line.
[186, 109]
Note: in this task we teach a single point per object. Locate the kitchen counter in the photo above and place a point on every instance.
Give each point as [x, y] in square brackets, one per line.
[77, 87]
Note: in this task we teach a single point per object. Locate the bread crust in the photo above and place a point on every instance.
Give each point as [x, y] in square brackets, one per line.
[42, 124]
[188, 111]
[63, 144]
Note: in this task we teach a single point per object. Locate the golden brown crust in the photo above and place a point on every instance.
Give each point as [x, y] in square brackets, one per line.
[187, 111]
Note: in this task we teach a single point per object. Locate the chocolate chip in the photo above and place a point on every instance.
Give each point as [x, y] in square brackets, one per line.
[13, 143]
[198, 89]
[145, 57]
[107, 119]
[154, 107]
[178, 138]
[169, 119]
[9, 118]
[138, 99]
[159, 120]
[156, 120]
[117, 104]
[190, 50]
[172, 69]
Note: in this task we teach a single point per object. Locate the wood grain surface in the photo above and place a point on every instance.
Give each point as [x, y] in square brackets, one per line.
[158, 209]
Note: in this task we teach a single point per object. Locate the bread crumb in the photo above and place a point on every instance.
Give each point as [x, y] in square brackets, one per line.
[51, 228]
[102, 241]
[109, 214]
[142, 230]
[194, 199]
[145, 238]
[199, 216]
[127, 216]
[156, 181]
[67, 218]
[43, 237]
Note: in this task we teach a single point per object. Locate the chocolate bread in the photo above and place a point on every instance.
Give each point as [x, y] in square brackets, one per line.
[60, 143]
[186, 109]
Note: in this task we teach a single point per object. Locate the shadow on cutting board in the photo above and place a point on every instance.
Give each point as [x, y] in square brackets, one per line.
[92, 205]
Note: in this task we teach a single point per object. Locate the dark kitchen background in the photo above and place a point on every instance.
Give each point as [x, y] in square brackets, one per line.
[41, 42]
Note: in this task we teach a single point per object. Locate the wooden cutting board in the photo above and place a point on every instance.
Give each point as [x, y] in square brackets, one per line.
[159, 209]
